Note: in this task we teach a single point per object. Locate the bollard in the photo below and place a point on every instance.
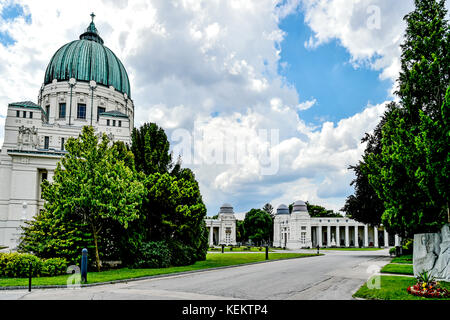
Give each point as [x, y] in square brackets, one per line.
[223, 248]
[29, 277]
[84, 261]
[267, 252]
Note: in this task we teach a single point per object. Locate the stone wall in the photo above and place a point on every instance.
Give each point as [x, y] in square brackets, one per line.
[432, 253]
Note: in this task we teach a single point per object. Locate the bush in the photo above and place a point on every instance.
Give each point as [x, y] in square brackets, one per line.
[54, 267]
[155, 254]
[182, 254]
[18, 265]
[392, 251]
[408, 246]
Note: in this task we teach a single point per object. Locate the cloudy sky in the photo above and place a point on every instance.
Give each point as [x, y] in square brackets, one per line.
[266, 100]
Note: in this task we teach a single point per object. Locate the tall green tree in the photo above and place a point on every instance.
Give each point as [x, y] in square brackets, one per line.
[258, 225]
[93, 187]
[408, 176]
[173, 208]
[365, 205]
[150, 147]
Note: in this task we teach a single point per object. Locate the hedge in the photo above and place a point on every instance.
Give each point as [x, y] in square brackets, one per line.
[17, 265]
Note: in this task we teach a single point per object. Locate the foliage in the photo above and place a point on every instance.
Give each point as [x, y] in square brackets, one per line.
[319, 211]
[150, 147]
[269, 209]
[240, 231]
[410, 174]
[364, 205]
[258, 225]
[84, 192]
[428, 287]
[16, 265]
[54, 267]
[154, 255]
[172, 208]
[53, 234]
[408, 246]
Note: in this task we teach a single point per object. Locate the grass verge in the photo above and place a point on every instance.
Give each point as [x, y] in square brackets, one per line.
[407, 259]
[398, 269]
[394, 288]
[212, 261]
[351, 249]
[240, 249]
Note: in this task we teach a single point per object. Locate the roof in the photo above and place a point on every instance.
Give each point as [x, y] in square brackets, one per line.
[114, 113]
[299, 206]
[25, 104]
[88, 59]
[282, 209]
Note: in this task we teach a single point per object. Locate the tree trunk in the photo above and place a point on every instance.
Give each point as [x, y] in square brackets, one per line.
[97, 257]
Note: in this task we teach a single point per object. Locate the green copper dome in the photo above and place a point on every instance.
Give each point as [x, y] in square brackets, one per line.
[88, 59]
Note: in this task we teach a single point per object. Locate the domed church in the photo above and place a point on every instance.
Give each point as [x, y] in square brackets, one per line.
[84, 84]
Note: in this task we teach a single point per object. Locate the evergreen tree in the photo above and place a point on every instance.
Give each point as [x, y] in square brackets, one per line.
[409, 176]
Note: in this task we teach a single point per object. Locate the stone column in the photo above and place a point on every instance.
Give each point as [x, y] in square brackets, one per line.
[319, 236]
[397, 240]
[386, 238]
[328, 236]
[211, 235]
[356, 237]
[347, 238]
[375, 235]
[338, 237]
[366, 235]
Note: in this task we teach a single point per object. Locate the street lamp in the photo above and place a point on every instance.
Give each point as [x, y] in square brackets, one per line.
[72, 82]
[92, 85]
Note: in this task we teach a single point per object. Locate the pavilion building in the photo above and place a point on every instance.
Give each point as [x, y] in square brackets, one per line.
[298, 230]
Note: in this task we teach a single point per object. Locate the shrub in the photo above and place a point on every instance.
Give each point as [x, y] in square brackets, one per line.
[155, 254]
[18, 265]
[182, 254]
[408, 246]
[54, 267]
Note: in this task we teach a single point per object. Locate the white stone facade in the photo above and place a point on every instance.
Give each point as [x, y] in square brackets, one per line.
[34, 142]
[223, 229]
[298, 230]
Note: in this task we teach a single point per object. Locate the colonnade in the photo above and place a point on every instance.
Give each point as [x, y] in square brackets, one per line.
[347, 238]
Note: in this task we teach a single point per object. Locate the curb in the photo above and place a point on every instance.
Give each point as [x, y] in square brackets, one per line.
[147, 277]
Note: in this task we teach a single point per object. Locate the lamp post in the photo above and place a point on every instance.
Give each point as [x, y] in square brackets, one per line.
[92, 85]
[72, 83]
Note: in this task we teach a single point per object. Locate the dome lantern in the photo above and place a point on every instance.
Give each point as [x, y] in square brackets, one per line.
[91, 32]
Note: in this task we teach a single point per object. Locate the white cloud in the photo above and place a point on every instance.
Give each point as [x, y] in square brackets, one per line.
[371, 30]
[188, 60]
[307, 104]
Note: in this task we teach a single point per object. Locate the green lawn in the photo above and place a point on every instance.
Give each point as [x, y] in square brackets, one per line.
[212, 260]
[408, 259]
[241, 249]
[398, 268]
[393, 288]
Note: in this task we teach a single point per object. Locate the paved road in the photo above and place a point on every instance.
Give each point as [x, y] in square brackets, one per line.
[336, 275]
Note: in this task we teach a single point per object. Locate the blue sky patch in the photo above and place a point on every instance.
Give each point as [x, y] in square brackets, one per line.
[325, 74]
[13, 11]
[6, 39]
